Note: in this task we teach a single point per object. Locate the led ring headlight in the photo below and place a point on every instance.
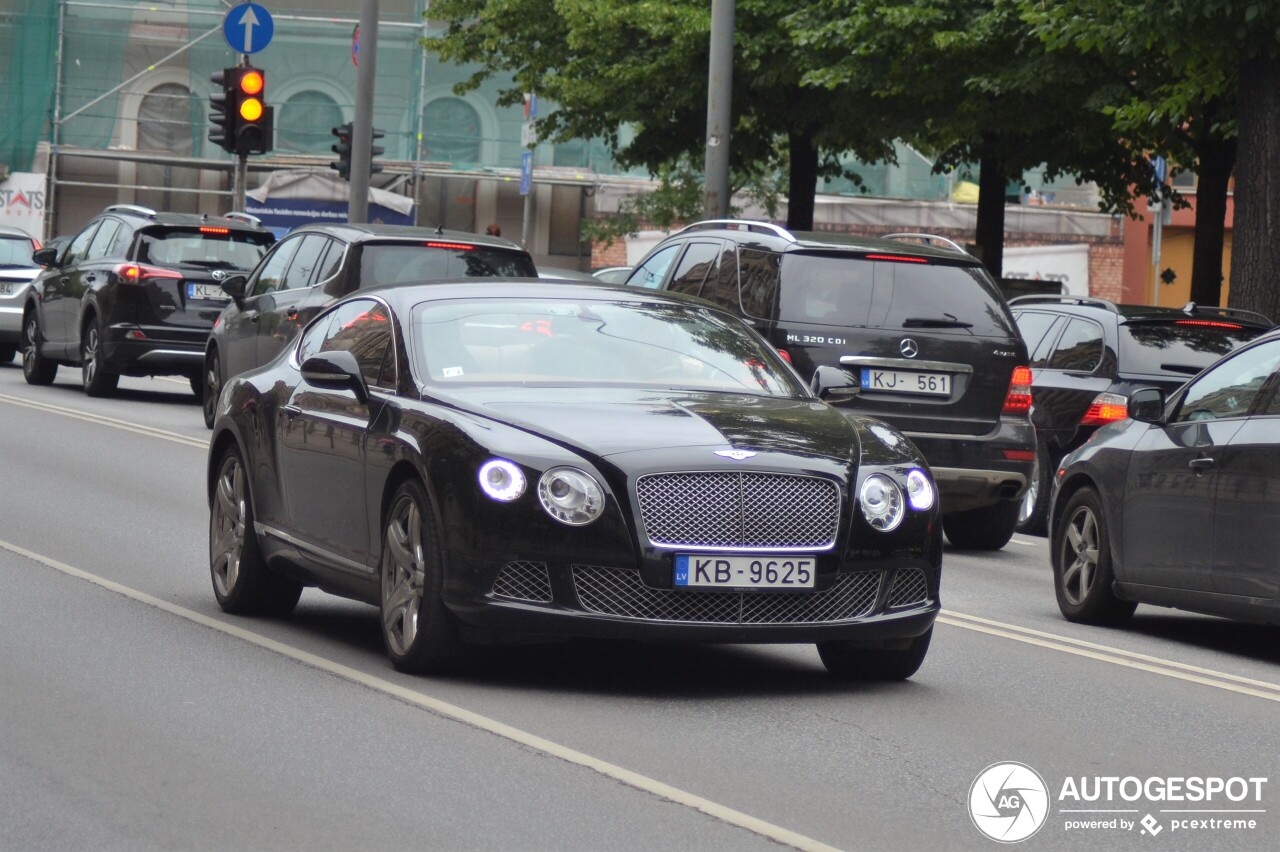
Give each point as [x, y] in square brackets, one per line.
[881, 501]
[502, 480]
[920, 492]
[571, 496]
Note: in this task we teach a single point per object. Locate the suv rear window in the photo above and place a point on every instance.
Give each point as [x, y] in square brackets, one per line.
[15, 251]
[1177, 348]
[851, 291]
[389, 263]
[209, 248]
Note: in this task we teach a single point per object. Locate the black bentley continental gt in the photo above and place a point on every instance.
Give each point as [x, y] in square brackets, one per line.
[514, 459]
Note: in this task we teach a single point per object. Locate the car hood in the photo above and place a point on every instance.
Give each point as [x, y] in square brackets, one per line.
[612, 421]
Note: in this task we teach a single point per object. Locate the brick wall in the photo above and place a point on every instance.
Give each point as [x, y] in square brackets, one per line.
[614, 255]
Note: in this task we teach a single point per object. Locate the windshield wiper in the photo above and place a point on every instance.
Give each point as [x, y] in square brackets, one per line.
[944, 321]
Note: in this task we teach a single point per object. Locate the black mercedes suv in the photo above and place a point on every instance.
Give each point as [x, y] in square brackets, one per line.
[918, 326]
[1089, 354]
[134, 293]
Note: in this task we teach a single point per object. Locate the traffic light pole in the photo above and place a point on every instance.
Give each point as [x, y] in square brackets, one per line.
[362, 130]
[719, 112]
[239, 182]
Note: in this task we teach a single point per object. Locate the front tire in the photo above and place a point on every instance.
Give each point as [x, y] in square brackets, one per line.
[211, 380]
[36, 369]
[1082, 571]
[98, 379]
[417, 629]
[988, 528]
[242, 583]
[848, 661]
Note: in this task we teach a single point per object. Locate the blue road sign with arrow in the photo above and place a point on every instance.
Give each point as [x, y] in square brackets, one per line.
[248, 27]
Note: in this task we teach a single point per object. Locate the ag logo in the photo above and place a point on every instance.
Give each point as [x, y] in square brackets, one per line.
[1008, 802]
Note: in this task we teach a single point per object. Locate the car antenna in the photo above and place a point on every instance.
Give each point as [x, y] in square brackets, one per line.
[440, 230]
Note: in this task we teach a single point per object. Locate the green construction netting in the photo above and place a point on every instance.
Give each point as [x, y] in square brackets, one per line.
[28, 36]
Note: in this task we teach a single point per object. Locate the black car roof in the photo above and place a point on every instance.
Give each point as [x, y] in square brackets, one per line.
[777, 238]
[233, 221]
[1090, 305]
[361, 233]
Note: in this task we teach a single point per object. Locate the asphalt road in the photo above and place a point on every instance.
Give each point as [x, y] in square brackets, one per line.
[135, 715]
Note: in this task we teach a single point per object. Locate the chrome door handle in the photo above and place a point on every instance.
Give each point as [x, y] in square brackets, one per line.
[290, 410]
[1201, 464]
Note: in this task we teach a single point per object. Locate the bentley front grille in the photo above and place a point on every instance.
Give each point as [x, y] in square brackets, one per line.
[909, 587]
[523, 581]
[620, 592]
[764, 511]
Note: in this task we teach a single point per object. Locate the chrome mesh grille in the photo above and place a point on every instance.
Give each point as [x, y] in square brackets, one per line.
[524, 581]
[909, 587]
[763, 510]
[620, 592]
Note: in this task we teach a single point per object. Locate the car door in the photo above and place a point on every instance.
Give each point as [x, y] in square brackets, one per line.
[321, 434]
[1169, 512]
[1066, 381]
[59, 304]
[240, 343]
[281, 310]
[1246, 535]
[95, 272]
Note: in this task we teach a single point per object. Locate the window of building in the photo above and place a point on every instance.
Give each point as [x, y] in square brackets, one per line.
[305, 122]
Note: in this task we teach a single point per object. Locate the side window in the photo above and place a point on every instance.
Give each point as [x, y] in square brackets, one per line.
[305, 260]
[272, 269]
[758, 274]
[1229, 389]
[1040, 355]
[104, 239]
[313, 337]
[80, 245]
[698, 264]
[1033, 325]
[330, 262]
[120, 245]
[653, 270]
[363, 328]
[1080, 347]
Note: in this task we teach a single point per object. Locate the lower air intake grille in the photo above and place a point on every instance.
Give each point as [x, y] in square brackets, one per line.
[523, 581]
[909, 587]
[620, 592]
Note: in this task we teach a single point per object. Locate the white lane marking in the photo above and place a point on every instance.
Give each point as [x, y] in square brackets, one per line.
[1024, 543]
[102, 420]
[1115, 656]
[449, 711]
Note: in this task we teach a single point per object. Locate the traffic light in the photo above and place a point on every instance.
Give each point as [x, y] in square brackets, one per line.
[343, 149]
[374, 151]
[240, 121]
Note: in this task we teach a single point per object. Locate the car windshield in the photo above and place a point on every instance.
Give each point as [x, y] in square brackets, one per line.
[391, 263]
[576, 342]
[16, 251]
[209, 248]
[1179, 348]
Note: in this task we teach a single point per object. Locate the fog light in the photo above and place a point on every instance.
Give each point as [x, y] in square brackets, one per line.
[571, 496]
[501, 480]
[881, 501]
[919, 490]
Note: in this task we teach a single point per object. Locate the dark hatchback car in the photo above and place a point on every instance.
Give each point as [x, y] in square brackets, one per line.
[922, 330]
[494, 460]
[134, 293]
[316, 264]
[1087, 354]
[1179, 505]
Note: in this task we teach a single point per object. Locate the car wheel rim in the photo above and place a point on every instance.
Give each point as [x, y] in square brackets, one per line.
[211, 385]
[29, 351]
[90, 355]
[1028, 507]
[1080, 556]
[404, 572]
[229, 532]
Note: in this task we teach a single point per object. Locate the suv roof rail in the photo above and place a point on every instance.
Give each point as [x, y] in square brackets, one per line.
[929, 239]
[1239, 313]
[241, 216]
[1049, 298]
[741, 225]
[132, 208]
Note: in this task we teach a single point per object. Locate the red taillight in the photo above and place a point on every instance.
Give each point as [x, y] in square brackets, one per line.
[209, 229]
[1209, 323]
[785, 355]
[35, 244]
[458, 246]
[133, 273]
[1105, 408]
[1018, 399]
[896, 258]
[1020, 455]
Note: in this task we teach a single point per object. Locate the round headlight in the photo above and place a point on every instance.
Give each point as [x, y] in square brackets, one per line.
[571, 496]
[881, 501]
[502, 480]
[919, 490]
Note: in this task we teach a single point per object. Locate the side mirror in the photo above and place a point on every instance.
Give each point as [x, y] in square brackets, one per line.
[1146, 405]
[338, 370]
[233, 286]
[833, 384]
[47, 256]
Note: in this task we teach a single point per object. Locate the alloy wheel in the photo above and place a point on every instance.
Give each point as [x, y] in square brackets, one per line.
[229, 527]
[404, 573]
[1080, 555]
[90, 356]
[29, 344]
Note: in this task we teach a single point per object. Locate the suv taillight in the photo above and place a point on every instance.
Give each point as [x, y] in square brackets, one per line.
[1105, 408]
[135, 273]
[1018, 399]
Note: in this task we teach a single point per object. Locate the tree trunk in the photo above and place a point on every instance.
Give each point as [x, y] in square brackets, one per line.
[1217, 157]
[1255, 252]
[989, 234]
[803, 181]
